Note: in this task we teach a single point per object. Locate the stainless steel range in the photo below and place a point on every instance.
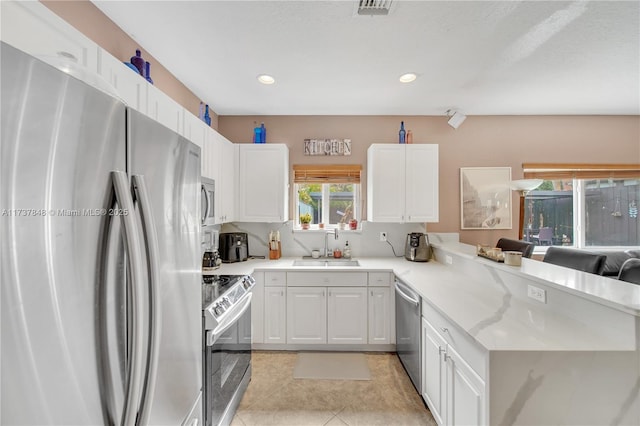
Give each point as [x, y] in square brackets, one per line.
[226, 312]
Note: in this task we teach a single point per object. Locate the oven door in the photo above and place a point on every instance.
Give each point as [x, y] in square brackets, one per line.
[207, 202]
[227, 365]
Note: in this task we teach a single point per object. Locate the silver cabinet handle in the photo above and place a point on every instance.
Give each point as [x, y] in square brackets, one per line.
[446, 357]
[155, 315]
[135, 377]
[444, 329]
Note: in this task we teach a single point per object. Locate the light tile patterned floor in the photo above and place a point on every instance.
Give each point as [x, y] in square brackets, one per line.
[274, 397]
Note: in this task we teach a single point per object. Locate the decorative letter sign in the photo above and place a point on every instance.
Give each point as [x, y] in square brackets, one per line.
[327, 147]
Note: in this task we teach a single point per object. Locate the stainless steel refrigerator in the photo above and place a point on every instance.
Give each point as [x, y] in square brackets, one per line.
[100, 246]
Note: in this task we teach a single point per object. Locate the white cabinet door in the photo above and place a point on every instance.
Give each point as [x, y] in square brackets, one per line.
[257, 308]
[347, 315]
[225, 177]
[421, 191]
[380, 315]
[194, 129]
[433, 371]
[263, 183]
[36, 30]
[275, 315]
[465, 392]
[164, 110]
[131, 87]
[306, 315]
[402, 183]
[385, 183]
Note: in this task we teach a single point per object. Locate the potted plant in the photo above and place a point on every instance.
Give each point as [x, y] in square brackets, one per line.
[305, 219]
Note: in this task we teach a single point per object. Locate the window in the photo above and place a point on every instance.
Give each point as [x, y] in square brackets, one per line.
[330, 194]
[583, 211]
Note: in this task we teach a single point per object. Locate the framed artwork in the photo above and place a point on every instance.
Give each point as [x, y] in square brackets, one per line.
[485, 197]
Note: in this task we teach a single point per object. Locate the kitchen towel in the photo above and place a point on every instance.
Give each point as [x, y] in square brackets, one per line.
[332, 366]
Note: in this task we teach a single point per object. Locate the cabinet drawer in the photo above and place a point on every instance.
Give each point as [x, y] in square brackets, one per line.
[456, 338]
[275, 279]
[380, 279]
[319, 279]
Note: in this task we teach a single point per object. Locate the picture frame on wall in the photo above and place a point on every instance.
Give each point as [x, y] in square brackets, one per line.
[485, 198]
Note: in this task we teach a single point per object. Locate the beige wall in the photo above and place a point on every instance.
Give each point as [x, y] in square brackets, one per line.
[89, 20]
[481, 141]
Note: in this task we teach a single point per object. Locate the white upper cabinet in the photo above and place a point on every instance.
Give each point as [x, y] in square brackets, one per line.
[36, 30]
[226, 184]
[131, 87]
[263, 183]
[402, 183]
[164, 110]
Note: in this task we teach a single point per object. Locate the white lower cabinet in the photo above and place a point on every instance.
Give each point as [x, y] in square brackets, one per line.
[306, 315]
[454, 392]
[347, 315]
[275, 314]
[381, 315]
[465, 392]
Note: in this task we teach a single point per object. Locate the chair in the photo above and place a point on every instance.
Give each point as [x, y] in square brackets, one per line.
[544, 235]
[630, 271]
[523, 247]
[575, 259]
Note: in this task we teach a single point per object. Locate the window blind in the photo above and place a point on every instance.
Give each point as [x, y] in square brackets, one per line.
[327, 173]
[552, 171]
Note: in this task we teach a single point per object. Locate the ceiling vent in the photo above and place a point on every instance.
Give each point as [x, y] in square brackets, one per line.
[374, 7]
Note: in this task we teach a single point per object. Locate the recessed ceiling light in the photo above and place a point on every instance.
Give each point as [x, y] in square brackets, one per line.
[408, 78]
[266, 79]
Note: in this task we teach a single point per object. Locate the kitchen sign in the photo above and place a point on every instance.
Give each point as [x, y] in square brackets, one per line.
[327, 147]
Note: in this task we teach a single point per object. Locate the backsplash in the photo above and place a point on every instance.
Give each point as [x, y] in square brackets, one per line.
[364, 242]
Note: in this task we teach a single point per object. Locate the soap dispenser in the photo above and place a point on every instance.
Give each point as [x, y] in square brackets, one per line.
[347, 251]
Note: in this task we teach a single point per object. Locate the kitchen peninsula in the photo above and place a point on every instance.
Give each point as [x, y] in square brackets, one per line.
[572, 359]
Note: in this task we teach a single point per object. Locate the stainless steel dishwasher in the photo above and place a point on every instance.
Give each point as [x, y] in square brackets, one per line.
[408, 345]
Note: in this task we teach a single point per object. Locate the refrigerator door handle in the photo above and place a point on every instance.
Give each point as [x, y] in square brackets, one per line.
[155, 315]
[120, 183]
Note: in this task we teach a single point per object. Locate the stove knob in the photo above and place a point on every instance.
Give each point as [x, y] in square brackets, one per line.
[247, 282]
[226, 302]
[218, 309]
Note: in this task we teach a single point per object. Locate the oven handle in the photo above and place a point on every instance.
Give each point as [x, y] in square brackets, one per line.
[214, 334]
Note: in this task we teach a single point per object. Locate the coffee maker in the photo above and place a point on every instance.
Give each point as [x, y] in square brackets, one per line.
[417, 248]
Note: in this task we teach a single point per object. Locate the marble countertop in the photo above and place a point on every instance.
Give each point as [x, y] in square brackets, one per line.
[488, 312]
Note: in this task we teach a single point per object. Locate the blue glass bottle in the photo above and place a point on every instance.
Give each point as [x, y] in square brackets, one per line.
[147, 73]
[263, 133]
[201, 111]
[257, 134]
[138, 62]
[207, 117]
[402, 134]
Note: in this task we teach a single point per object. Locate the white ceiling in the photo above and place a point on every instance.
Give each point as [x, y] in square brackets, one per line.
[482, 57]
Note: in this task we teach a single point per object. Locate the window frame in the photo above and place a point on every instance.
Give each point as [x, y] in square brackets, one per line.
[580, 217]
[326, 213]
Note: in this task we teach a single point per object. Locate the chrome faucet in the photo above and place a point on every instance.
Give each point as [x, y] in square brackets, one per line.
[326, 242]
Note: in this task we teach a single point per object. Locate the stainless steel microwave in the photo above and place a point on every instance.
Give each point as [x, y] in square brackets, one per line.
[207, 200]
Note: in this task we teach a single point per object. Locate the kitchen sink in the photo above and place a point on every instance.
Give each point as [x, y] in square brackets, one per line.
[326, 262]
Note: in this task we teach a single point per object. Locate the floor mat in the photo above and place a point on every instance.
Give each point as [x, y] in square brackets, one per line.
[331, 366]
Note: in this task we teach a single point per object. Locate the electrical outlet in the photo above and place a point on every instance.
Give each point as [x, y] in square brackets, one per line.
[448, 260]
[537, 293]
[383, 236]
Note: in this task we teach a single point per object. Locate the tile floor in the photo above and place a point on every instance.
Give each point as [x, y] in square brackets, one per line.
[274, 397]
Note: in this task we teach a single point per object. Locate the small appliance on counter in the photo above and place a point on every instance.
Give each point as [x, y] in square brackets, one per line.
[417, 248]
[233, 247]
[210, 261]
